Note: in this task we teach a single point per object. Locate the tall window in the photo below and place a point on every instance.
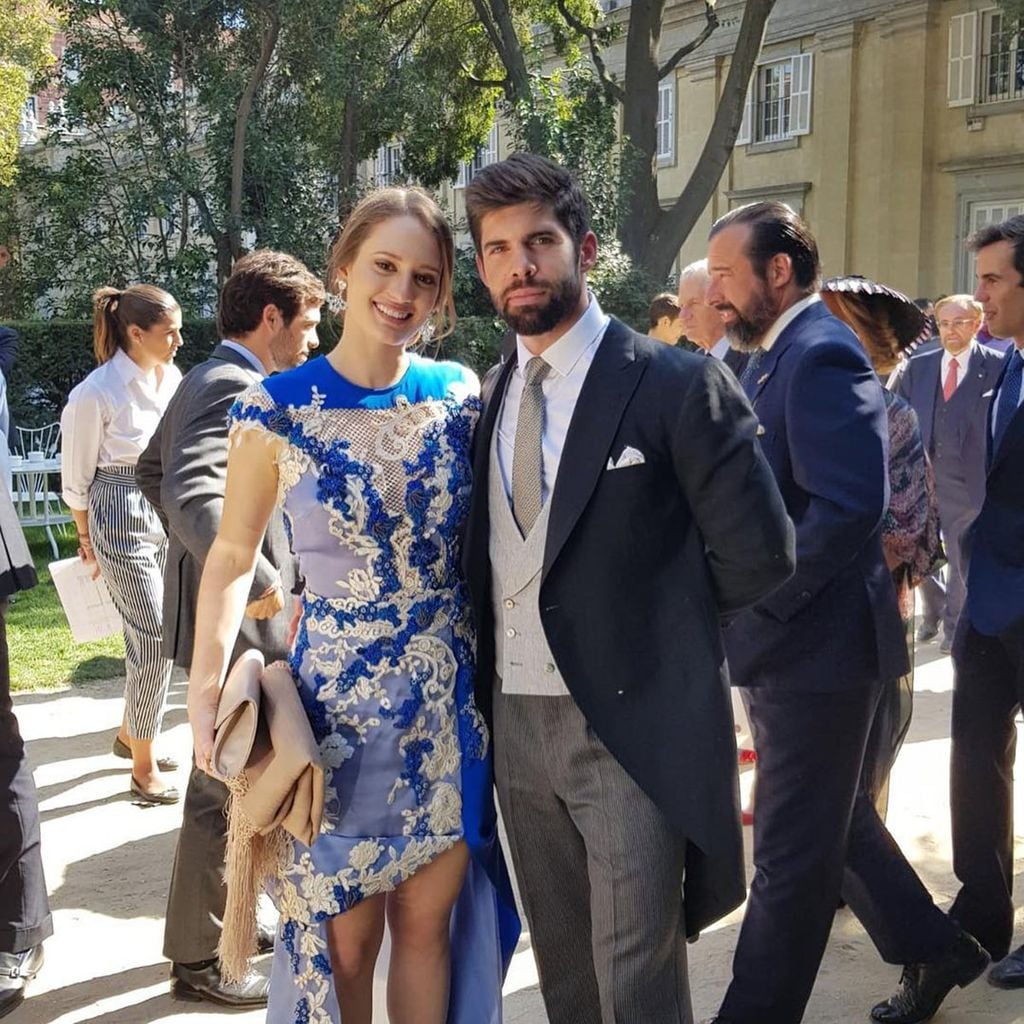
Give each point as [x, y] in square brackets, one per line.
[485, 154]
[666, 124]
[986, 59]
[28, 126]
[778, 103]
[980, 216]
[388, 165]
[1002, 59]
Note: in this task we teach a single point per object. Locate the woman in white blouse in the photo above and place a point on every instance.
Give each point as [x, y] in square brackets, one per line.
[106, 424]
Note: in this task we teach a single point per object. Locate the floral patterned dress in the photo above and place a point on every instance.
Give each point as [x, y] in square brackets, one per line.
[375, 489]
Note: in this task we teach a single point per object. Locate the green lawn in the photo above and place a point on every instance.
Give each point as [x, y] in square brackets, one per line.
[43, 655]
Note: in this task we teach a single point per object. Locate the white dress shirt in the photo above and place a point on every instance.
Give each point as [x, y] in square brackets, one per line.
[961, 365]
[773, 332]
[109, 420]
[569, 358]
[247, 354]
[720, 349]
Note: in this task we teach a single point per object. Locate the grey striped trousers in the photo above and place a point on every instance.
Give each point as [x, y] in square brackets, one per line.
[600, 872]
[131, 549]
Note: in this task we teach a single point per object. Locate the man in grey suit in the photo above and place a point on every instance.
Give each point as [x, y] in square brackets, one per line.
[951, 389]
[268, 314]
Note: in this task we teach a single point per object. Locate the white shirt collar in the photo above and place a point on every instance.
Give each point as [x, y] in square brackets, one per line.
[126, 367]
[250, 357]
[961, 360]
[565, 353]
[720, 348]
[786, 319]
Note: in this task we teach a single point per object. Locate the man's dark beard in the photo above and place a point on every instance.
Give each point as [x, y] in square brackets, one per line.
[530, 321]
[747, 331]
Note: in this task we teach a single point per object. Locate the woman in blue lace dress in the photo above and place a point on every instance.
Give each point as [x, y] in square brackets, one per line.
[368, 452]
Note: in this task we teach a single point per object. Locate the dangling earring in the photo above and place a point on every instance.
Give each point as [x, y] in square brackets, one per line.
[427, 332]
[336, 300]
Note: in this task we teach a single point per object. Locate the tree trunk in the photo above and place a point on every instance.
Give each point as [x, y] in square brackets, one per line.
[348, 161]
[498, 22]
[242, 113]
[639, 131]
[672, 226]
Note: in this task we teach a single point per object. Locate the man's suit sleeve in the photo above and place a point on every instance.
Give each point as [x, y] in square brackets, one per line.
[149, 473]
[731, 490]
[838, 448]
[192, 488]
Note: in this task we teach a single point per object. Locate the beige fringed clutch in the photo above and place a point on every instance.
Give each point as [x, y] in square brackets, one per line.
[265, 752]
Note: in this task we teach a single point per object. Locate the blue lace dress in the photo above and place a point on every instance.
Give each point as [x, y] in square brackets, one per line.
[375, 489]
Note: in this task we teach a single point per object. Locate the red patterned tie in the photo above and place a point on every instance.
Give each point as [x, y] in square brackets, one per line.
[950, 383]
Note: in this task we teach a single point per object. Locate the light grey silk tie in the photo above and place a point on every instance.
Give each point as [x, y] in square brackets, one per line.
[527, 460]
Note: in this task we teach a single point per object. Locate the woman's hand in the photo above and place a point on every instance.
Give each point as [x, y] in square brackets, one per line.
[87, 555]
[202, 714]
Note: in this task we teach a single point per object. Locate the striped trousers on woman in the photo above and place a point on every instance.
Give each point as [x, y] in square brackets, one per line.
[131, 550]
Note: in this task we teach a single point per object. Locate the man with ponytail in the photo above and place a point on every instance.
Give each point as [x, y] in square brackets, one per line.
[268, 314]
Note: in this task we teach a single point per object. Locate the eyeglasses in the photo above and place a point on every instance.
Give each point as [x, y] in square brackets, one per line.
[945, 325]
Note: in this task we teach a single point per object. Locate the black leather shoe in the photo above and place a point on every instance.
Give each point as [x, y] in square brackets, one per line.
[16, 971]
[926, 632]
[924, 986]
[1009, 972]
[194, 983]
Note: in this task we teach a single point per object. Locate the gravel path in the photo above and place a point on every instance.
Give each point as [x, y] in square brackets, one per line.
[108, 862]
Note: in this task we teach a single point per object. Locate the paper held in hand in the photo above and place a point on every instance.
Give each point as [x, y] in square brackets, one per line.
[87, 605]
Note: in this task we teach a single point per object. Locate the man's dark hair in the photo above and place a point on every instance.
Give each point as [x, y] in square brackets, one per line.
[665, 304]
[526, 178]
[265, 278]
[923, 303]
[775, 228]
[1011, 231]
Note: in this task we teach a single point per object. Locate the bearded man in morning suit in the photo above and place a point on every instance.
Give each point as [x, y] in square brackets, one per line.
[620, 505]
[268, 312]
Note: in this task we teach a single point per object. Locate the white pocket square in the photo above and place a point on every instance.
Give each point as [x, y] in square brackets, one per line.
[630, 457]
[988, 394]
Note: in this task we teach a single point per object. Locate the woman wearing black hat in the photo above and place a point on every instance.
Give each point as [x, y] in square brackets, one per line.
[886, 322]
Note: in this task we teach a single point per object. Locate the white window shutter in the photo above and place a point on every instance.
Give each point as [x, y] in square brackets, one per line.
[747, 123]
[800, 99]
[963, 48]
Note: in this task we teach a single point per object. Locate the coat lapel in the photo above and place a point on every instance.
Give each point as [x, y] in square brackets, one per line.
[927, 392]
[476, 555]
[610, 382]
[1015, 427]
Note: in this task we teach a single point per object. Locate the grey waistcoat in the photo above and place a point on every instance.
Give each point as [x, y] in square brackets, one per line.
[523, 660]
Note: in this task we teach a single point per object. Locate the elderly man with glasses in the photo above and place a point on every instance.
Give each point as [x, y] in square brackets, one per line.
[950, 389]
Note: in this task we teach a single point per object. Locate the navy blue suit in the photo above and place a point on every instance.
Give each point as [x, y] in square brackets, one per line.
[955, 436]
[988, 656]
[810, 658]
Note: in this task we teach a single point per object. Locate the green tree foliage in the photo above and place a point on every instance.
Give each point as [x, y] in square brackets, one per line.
[197, 129]
[650, 235]
[26, 29]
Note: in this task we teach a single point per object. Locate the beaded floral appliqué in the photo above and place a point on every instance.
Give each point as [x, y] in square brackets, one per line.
[393, 487]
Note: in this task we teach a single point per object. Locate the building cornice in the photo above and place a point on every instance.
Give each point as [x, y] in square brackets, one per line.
[974, 164]
[836, 37]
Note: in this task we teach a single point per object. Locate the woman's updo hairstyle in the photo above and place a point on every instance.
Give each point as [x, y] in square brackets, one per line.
[383, 205]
